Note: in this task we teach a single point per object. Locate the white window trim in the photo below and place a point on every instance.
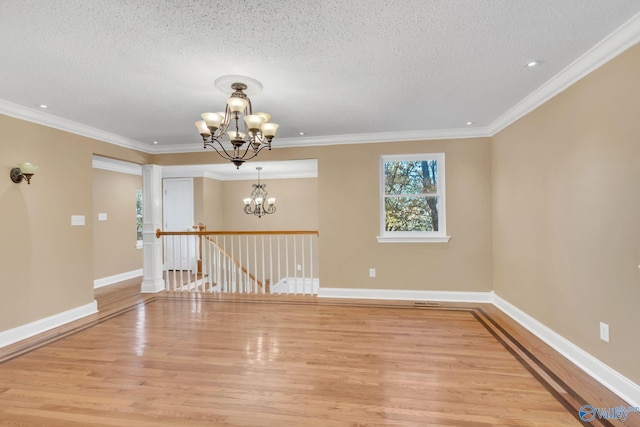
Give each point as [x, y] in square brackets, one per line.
[439, 236]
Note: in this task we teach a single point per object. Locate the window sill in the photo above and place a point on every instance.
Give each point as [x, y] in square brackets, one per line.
[413, 239]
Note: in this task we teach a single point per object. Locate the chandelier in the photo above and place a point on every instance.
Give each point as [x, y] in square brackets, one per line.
[258, 130]
[259, 203]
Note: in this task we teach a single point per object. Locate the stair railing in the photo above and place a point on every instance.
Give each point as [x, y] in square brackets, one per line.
[244, 262]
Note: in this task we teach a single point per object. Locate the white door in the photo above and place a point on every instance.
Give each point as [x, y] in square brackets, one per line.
[180, 251]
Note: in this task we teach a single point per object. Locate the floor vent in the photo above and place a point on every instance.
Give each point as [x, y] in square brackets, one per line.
[425, 304]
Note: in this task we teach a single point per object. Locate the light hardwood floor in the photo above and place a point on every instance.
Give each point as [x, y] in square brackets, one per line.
[183, 359]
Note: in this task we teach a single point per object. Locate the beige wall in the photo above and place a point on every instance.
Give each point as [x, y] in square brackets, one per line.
[198, 201]
[349, 205]
[348, 216]
[207, 200]
[114, 240]
[567, 213]
[296, 205]
[218, 204]
[46, 265]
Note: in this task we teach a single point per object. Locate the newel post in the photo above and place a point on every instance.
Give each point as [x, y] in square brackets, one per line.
[152, 280]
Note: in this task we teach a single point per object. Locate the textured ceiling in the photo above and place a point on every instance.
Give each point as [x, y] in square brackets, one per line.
[144, 70]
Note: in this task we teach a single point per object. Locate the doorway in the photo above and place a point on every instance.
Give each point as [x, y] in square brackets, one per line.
[180, 251]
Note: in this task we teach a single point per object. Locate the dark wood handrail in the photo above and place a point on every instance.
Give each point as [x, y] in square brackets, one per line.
[234, 233]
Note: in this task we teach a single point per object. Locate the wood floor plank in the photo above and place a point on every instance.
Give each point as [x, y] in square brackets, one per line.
[200, 360]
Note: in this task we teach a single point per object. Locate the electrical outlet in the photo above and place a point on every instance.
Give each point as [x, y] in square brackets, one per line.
[372, 272]
[604, 332]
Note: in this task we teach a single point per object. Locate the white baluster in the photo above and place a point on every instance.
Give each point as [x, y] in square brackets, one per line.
[286, 257]
[167, 257]
[270, 263]
[279, 263]
[311, 239]
[264, 276]
[295, 262]
[304, 277]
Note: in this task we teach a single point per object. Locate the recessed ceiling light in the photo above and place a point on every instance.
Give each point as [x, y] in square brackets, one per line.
[469, 123]
[532, 64]
[155, 142]
[43, 106]
[301, 133]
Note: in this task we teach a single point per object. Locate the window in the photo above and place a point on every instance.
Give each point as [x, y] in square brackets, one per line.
[139, 219]
[412, 201]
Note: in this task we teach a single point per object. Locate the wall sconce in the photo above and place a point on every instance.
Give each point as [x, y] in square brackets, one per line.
[24, 170]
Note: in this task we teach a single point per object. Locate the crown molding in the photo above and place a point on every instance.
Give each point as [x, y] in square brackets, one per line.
[368, 138]
[608, 48]
[114, 165]
[180, 172]
[360, 138]
[274, 170]
[178, 148]
[189, 172]
[39, 117]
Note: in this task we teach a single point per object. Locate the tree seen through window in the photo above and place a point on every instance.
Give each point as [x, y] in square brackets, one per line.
[411, 195]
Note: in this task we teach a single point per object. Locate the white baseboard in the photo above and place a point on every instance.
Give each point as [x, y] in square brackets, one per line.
[34, 328]
[610, 378]
[395, 294]
[98, 283]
